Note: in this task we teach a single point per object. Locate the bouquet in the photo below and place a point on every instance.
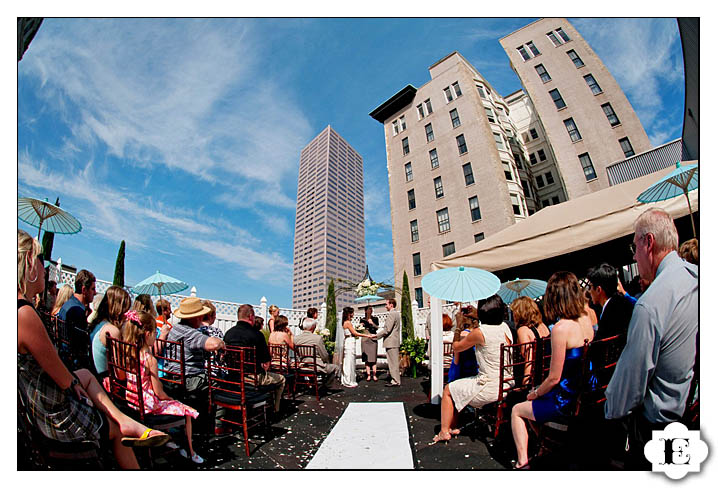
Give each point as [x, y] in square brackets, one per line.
[361, 329]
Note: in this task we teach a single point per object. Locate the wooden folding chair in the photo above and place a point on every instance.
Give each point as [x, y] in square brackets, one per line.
[168, 353]
[282, 364]
[228, 388]
[448, 358]
[123, 365]
[307, 370]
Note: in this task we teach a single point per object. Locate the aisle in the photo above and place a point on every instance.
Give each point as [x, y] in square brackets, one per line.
[369, 435]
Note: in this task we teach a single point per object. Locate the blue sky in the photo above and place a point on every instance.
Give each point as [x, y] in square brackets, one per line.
[182, 136]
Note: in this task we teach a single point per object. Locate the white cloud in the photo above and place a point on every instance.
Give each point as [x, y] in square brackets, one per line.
[186, 94]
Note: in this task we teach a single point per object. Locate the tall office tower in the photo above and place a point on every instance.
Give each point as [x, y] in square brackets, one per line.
[455, 167]
[579, 107]
[329, 225]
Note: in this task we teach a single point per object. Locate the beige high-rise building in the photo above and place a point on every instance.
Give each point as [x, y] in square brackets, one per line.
[455, 167]
[329, 224]
[580, 117]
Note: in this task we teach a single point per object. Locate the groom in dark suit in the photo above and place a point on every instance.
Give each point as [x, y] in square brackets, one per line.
[616, 308]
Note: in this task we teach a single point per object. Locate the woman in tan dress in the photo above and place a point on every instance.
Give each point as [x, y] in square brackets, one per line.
[369, 345]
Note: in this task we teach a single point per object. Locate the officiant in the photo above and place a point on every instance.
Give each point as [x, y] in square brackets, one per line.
[369, 345]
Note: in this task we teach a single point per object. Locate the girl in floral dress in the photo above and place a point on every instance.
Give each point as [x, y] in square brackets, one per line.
[139, 327]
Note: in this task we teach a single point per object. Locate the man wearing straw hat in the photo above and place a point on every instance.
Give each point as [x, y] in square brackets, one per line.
[190, 313]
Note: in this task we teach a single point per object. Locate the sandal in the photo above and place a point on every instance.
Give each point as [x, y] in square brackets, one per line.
[375, 379]
[455, 432]
[146, 440]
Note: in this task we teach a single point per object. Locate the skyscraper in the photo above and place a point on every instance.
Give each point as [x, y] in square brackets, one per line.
[581, 114]
[329, 224]
[456, 167]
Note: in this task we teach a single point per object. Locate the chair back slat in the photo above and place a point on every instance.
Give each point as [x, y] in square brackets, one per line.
[123, 362]
[226, 371]
[515, 378]
[280, 357]
[306, 358]
[168, 353]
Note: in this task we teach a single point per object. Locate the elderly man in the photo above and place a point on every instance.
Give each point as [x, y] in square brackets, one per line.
[244, 334]
[324, 362]
[391, 332]
[654, 373]
[190, 313]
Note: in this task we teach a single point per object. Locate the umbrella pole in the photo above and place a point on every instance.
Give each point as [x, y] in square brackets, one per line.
[690, 213]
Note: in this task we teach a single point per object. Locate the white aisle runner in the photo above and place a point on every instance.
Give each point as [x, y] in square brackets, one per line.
[369, 435]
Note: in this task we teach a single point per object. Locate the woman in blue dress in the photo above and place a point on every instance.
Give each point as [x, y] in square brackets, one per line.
[564, 302]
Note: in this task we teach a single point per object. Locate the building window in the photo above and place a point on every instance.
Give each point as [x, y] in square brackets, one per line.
[429, 133]
[524, 53]
[461, 143]
[516, 205]
[395, 127]
[575, 58]
[405, 145]
[519, 161]
[507, 170]
[414, 225]
[610, 114]
[534, 133]
[532, 48]
[402, 123]
[412, 199]
[442, 217]
[554, 38]
[455, 121]
[416, 258]
[527, 189]
[448, 248]
[490, 114]
[427, 103]
[407, 171]
[468, 174]
[438, 188]
[482, 94]
[572, 129]
[543, 74]
[557, 99]
[478, 237]
[499, 140]
[549, 178]
[419, 295]
[541, 154]
[457, 89]
[532, 158]
[420, 111]
[474, 208]
[587, 166]
[593, 84]
[562, 34]
[434, 158]
[545, 203]
[626, 147]
[555, 200]
[539, 181]
[447, 94]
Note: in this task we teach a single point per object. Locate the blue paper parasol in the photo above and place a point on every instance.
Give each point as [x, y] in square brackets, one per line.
[528, 287]
[36, 213]
[679, 182]
[159, 284]
[368, 298]
[461, 284]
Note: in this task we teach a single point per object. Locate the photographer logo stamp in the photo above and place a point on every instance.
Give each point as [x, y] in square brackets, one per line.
[676, 450]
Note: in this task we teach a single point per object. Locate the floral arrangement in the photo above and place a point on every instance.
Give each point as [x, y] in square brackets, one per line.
[367, 287]
[329, 344]
[361, 329]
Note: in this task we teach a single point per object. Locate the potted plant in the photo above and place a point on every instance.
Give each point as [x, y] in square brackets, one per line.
[413, 351]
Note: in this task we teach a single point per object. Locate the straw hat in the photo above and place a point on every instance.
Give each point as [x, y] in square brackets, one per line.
[190, 307]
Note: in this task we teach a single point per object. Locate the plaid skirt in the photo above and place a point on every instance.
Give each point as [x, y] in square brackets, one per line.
[56, 413]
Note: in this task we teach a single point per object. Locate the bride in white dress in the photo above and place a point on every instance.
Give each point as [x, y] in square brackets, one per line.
[349, 375]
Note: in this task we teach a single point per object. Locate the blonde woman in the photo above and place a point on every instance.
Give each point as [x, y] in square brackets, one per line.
[273, 313]
[529, 327]
[62, 296]
[65, 406]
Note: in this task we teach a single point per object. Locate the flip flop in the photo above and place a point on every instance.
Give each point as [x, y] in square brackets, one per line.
[455, 432]
[146, 440]
[438, 438]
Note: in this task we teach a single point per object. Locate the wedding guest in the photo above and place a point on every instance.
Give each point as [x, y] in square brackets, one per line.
[273, 313]
[63, 295]
[281, 333]
[74, 312]
[564, 302]
[208, 321]
[369, 345]
[65, 406]
[110, 312]
[530, 327]
[464, 363]
[324, 361]
[143, 303]
[689, 251]
[616, 308]
[258, 323]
